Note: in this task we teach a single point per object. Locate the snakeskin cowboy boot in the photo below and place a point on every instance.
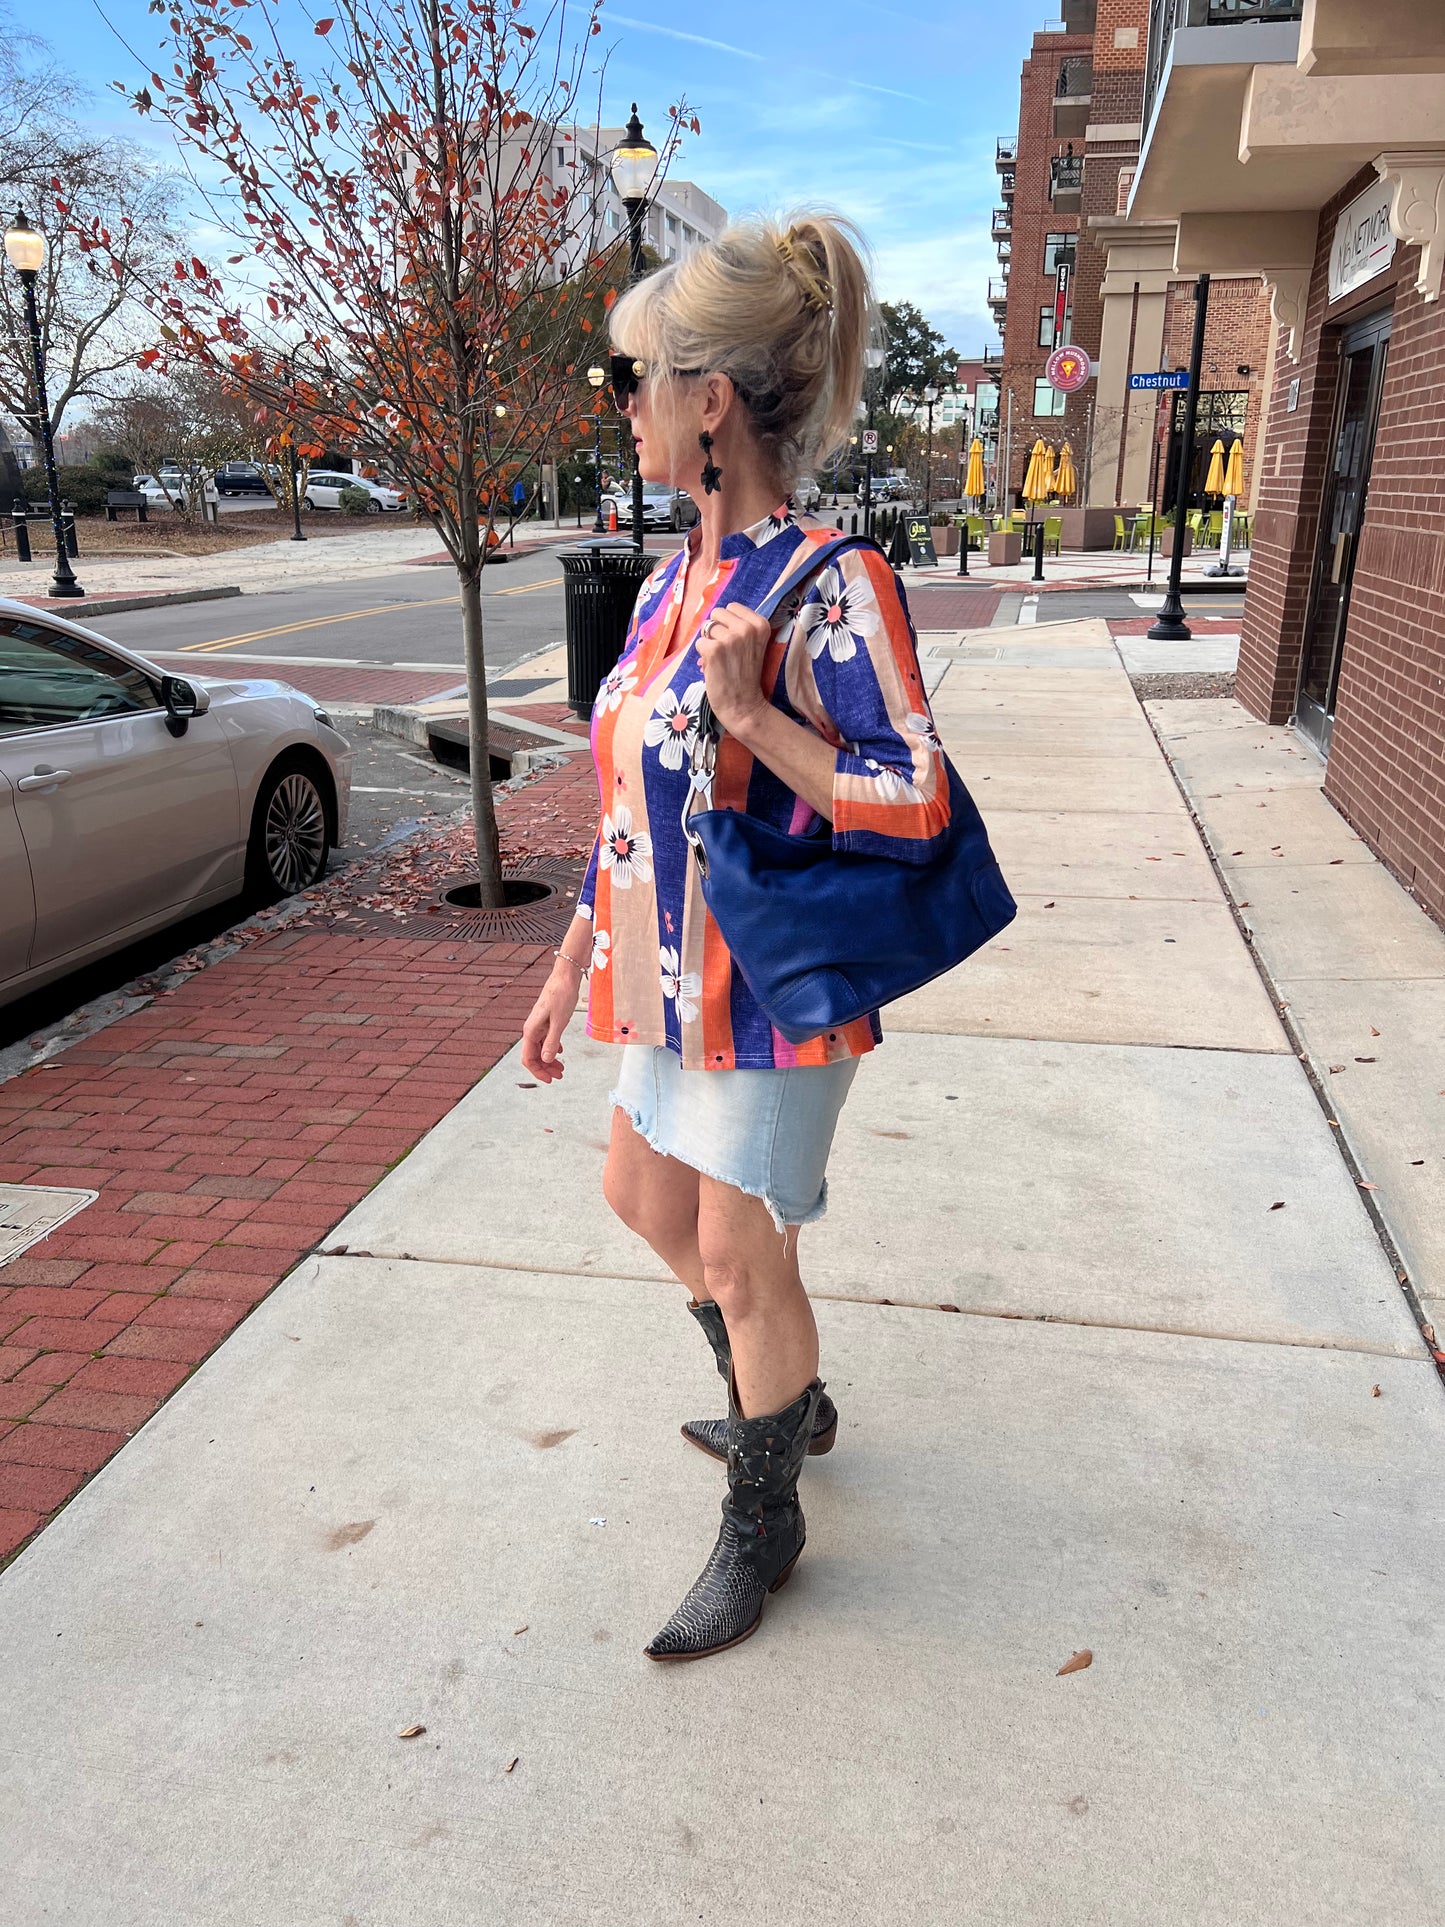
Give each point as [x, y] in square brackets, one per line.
[761, 1536]
[710, 1435]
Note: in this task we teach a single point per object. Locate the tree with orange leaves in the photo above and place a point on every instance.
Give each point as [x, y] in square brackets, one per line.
[409, 273]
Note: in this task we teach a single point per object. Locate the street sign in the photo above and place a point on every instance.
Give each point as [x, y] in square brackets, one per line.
[921, 552]
[1068, 369]
[1166, 378]
[1061, 302]
[870, 441]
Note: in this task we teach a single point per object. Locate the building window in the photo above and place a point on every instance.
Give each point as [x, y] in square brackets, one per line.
[1048, 400]
[1057, 248]
[1046, 326]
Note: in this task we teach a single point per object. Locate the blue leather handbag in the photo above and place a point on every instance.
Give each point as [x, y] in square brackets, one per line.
[823, 936]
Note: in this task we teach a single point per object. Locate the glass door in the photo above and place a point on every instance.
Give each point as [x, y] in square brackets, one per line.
[1362, 376]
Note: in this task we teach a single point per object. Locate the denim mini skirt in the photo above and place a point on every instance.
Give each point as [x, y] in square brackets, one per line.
[768, 1132]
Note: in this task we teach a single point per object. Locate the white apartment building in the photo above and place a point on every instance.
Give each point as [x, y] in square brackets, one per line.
[680, 217]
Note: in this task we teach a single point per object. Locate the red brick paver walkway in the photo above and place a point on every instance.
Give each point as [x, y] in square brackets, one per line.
[228, 1126]
[327, 682]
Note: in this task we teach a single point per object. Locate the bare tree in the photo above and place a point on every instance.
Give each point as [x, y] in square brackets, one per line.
[410, 271]
[190, 420]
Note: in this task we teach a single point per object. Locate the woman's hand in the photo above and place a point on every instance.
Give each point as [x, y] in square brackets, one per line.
[551, 1014]
[731, 648]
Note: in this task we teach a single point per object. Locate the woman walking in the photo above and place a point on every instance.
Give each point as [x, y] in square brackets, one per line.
[739, 368]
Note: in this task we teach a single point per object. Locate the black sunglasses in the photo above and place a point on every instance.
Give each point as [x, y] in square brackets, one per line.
[628, 374]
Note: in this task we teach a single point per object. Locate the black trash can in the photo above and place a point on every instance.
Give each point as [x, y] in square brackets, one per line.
[601, 580]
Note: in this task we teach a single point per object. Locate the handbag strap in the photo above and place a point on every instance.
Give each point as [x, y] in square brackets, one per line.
[708, 726]
[709, 729]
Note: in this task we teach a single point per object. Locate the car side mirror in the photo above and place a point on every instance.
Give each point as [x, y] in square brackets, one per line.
[182, 700]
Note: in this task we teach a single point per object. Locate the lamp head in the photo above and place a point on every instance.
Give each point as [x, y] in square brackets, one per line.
[24, 245]
[634, 163]
[596, 377]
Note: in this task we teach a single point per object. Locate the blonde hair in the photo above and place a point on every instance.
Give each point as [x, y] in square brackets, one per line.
[785, 312]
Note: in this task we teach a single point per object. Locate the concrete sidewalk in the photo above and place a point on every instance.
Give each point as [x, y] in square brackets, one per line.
[1121, 1363]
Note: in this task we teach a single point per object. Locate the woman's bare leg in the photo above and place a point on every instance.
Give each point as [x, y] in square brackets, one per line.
[752, 1272]
[655, 1196]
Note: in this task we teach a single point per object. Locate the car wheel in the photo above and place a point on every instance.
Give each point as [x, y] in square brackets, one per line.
[290, 832]
[307, 503]
[373, 507]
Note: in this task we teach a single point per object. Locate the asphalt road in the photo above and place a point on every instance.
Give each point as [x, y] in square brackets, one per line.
[408, 619]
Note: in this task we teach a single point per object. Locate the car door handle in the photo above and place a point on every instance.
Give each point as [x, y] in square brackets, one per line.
[43, 779]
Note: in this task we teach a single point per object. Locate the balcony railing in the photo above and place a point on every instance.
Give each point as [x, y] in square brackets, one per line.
[1165, 16]
[1003, 223]
[1066, 175]
[1006, 150]
[998, 294]
[1006, 183]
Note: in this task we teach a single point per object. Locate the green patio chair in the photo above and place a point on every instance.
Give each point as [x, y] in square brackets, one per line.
[1054, 532]
[1121, 534]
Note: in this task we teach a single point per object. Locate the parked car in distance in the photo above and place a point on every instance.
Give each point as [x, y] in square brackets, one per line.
[173, 491]
[806, 493]
[324, 486]
[662, 507]
[130, 798]
[241, 478]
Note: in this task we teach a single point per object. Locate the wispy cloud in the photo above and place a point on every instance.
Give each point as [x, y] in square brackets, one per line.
[676, 33]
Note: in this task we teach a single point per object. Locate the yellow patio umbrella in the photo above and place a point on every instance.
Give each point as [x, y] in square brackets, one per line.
[975, 486]
[1234, 469]
[1066, 482]
[1037, 480]
[1049, 470]
[1214, 480]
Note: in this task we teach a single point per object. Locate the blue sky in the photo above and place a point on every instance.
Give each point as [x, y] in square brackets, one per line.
[884, 112]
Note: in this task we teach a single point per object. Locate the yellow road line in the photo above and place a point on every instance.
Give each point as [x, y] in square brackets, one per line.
[353, 615]
[526, 588]
[312, 622]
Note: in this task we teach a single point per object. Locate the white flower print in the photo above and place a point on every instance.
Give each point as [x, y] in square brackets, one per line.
[585, 910]
[601, 944]
[677, 987]
[784, 516]
[672, 728]
[626, 855]
[922, 728]
[892, 784]
[620, 682]
[838, 616]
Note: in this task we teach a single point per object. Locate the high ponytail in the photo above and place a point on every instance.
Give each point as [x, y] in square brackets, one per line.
[786, 312]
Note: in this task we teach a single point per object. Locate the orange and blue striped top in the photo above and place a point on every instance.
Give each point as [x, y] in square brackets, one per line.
[843, 661]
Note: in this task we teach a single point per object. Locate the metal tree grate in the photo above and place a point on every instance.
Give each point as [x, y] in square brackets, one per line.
[545, 921]
[30, 1212]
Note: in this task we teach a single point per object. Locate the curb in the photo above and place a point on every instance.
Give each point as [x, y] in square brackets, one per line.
[118, 605]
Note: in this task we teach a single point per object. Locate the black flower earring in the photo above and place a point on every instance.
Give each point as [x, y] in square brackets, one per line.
[711, 473]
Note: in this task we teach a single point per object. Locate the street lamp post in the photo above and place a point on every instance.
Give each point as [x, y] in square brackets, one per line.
[25, 249]
[595, 379]
[634, 169]
[930, 398]
[1170, 625]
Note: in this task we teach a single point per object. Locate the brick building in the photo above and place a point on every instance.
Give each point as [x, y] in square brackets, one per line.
[1036, 227]
[1339, 109]
[1071, 168]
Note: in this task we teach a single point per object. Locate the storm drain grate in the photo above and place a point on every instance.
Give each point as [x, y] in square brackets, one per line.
[30, 1212]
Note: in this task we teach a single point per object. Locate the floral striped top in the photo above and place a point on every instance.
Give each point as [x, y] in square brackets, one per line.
[843, 661]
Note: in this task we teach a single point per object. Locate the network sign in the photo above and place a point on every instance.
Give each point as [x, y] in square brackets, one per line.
[1166, 378]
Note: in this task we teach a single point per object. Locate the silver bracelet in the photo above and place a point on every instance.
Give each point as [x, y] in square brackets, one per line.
[585, 969]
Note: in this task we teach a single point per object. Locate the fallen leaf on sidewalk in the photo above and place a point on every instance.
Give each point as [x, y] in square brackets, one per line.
[1278, 1207]
[1375, 1393]
[1335, 1067]
[1364, 1060]
[1080, 1662]
[1365, 1185]
[411, 1732]
[1373, 1031]
[518, 1633]
[511, 1763]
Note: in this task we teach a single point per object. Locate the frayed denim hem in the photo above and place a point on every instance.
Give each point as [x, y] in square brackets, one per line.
[634, 1118]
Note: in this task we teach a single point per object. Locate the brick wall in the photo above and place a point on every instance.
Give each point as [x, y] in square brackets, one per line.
[1386, 769]
[1029, 288]
[1236, 335]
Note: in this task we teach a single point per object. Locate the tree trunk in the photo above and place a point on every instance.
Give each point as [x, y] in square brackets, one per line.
[484, 814]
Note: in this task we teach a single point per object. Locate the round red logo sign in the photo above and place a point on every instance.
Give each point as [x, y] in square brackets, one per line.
[1068, 369]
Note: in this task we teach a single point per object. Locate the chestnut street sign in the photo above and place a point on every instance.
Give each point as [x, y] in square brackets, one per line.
[1166, 378]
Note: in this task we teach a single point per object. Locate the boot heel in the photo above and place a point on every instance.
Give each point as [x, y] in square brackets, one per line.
[786, 1574]
[823, 1441]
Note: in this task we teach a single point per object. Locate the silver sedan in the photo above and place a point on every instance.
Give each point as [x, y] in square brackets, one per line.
[130, 798]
